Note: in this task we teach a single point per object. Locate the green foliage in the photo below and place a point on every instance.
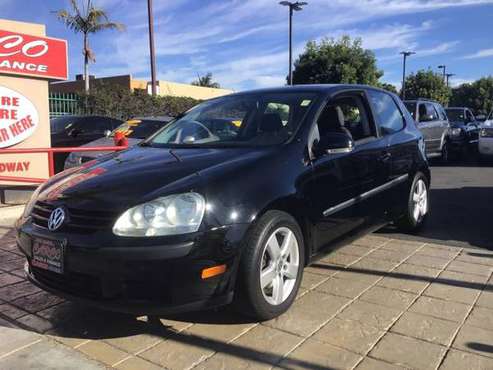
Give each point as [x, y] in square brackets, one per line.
[206, 81]
[336, 61]
[388, 87]
[477, 95]
[119, 102]
[428, 85]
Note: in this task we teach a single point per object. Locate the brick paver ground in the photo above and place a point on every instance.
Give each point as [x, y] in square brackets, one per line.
[378, 303]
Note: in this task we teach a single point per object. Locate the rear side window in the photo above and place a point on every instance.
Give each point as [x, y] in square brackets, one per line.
[431, 112]
[387, 112]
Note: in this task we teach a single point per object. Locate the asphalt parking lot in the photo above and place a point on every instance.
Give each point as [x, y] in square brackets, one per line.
[387, 301]
[461, 206]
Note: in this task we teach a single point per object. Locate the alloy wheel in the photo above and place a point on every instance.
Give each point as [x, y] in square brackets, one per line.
[420, 200]
[279, 266]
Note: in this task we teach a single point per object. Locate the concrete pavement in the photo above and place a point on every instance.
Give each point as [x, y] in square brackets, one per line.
[379, 303]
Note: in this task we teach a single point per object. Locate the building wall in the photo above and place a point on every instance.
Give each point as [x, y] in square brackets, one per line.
[196, 92]
[166, 88]
[78, 86]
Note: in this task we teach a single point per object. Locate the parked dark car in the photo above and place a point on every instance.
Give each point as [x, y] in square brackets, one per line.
[464, 130]
[135, 130]
[433, 123]
[228, 202]
[72, 131]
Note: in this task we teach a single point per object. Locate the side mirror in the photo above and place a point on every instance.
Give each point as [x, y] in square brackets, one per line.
[333, 143]
[107, 133]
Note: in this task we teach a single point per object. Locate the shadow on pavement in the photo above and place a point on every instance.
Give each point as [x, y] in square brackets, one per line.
[480, 347]
[401, 275]
[458, 217]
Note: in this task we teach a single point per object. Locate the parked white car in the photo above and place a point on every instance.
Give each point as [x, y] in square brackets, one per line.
[485, 145]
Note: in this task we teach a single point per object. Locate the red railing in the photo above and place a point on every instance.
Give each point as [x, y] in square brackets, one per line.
[51, 162]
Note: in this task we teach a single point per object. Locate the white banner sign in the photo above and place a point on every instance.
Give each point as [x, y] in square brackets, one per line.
[18, 117]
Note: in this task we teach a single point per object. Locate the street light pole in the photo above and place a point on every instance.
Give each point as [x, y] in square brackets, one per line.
[297, 6]
[405, 54]
[443, 67]
[151, 47]
[448, 75]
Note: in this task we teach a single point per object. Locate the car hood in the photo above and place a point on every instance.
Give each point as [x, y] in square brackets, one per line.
[457, 124]
[140, 174]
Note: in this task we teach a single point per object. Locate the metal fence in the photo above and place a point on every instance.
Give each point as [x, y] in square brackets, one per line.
[64, 103]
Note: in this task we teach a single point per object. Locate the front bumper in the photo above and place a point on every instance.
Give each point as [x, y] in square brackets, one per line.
[159, 279]
[485, 146]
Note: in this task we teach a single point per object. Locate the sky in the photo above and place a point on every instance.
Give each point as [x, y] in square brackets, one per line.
[244, 43]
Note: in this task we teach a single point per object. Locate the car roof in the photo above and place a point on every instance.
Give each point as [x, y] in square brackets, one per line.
[456, 108]
[315, 88]
[154, 118]
[420, 100]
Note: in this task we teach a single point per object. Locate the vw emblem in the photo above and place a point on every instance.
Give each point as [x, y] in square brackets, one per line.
[56, 219]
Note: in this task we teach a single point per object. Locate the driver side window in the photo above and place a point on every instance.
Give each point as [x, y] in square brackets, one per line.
[347, 115]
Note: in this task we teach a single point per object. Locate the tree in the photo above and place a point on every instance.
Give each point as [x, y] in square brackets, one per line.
[336, 61]
[427, 84]
[87, 20]
[477, 95]
[388, 87]
[206, 81]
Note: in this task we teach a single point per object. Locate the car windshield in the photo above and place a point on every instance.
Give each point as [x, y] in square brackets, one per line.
[61, 124]
[411, 107]
[139, 128]
[455, 115]
[237, 120]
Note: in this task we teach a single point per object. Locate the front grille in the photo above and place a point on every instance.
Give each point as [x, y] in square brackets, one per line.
[72, 283]
[79, 221]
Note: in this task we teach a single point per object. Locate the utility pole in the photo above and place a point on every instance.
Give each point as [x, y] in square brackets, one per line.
[443, 67]
[297, 6]
[151, 47]
[405, 54]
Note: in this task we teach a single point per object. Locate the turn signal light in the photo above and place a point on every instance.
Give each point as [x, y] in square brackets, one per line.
[213, 271]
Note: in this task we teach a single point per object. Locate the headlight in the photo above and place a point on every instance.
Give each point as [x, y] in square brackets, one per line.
[171, 215]
[456, 132]
[483, 132]
[30, 205]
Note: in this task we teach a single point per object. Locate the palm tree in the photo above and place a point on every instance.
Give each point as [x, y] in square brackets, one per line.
[87, 20]
[206, 81]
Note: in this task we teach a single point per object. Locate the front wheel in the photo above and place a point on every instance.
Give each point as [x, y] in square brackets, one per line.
[271, 266]
[418, 205]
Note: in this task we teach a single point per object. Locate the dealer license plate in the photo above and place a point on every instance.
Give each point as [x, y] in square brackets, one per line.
[48, 254]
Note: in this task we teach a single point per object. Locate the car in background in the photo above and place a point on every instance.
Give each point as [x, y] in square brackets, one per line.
[432, 121]
[464, 130]
[485, 139]
[135, 130]
[72, 131]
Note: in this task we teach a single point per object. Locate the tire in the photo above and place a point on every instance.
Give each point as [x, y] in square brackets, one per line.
[283, 273]
[445, 153]
[412, 219]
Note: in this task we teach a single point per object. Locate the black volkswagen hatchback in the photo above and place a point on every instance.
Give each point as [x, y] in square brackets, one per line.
[228, 202]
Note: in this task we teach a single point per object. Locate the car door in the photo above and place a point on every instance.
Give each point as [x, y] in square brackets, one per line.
[427, 124]
[341, 182]
[443, 126]
[392, 118]
[472, 127]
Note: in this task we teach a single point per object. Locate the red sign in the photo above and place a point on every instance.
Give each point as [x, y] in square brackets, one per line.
[36, 56]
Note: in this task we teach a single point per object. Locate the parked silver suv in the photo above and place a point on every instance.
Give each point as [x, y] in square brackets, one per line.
[432, 121]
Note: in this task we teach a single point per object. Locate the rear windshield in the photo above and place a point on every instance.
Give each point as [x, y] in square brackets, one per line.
[455, 115]
[139, 129]
[411, 107]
